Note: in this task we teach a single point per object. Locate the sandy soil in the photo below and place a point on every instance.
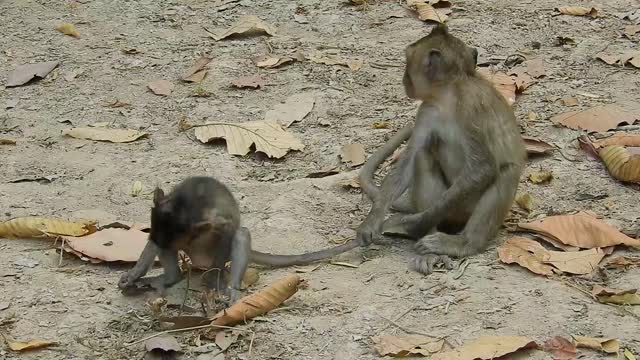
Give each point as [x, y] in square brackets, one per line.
[79, 305]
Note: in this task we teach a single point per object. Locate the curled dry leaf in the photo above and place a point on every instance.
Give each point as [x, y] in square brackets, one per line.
[598, 119]
[427, 10]
[525, 201]
[252, 81]
[526, 253]
[104, 134]
[540, 177]
[197, 71]
[521, 79]
[7, 142]
[68, 29]
[560, 348]
[161, 87]
[536, 147]
[578, 11]
[258, 303]
[36, 227]
[628, 57]
[583, 230]
[295, 108]
[28, 345]
[408, 345]
[623, 139]
[488, 347]
[111, 244]
[620, 297]
[353, 64]
[575, 262]
[268, 137]
[353, 153]
[272, 62]
[610, 346]
[25, 73]
[628, 355]
[246, 26]
[163, 344]
[504, 83]
[623, 163]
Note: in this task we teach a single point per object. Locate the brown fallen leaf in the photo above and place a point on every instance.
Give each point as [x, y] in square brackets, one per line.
[526, 253]
[7, 142]
[197, 71]
[597, 119]
[161, 87]
[560, 348]
[578, 11]
[521, 79]
[631, 30]
[525, 201]
[427, 12]
[118, 104]
[40, 227]
[623, 163]
[272, 62]
[28, 345]
[540, 177]
[258, 303]
[619, 297]
[583, 230]
[569, 101]
[610, 346]
[628, 57]
[535, 67]
[104, 134]
[353, 64]
[622, 262]
[162, 344]
[505, 84]
[246, 26]
[353, 182]
[536, 147]
[622, 139]
[68, 29]
[353, 153]
[408, 345]
[295, 108]
[25, 73]
[575, 262]
[488, 347]
[251, 81]
[111, 244]
[268, 137]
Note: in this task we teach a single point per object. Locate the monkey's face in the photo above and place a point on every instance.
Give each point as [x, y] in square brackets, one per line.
[166, 229]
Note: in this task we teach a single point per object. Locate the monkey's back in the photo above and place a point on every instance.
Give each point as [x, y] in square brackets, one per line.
[203, 198]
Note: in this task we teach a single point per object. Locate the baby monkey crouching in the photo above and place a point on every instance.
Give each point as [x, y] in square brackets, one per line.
[202, 218]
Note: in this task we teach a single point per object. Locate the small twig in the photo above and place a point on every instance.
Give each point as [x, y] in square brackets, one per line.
[253, 336]
[61, 252]
[186, 291]
[408, 331]
[181, 330]
[463, 267]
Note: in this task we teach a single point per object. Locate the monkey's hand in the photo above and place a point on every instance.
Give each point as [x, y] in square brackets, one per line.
[127, 281]
[370, 229]
[412, 226]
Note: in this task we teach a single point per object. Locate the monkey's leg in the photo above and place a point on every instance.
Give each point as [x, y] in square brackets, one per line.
[141, 267]
[240, 254]
[484, 223]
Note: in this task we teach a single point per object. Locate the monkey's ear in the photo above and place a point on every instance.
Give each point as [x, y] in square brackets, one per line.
[158, 196]
[433, 63]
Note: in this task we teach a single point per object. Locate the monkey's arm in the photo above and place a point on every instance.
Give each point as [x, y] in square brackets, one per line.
[171, 275]
[141, 267]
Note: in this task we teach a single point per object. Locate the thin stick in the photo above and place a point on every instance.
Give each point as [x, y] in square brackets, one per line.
[181, 330]
[186, 291]
[408, 331]
[61, 251]
[253, 336]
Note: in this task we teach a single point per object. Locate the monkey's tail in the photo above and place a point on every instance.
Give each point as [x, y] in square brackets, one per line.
[302, 259]
[378, 157]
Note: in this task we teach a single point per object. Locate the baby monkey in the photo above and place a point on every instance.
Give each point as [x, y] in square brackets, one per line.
[462, 163]
[201, 217]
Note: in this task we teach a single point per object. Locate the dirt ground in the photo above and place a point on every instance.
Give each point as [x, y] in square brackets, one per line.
[79, 305]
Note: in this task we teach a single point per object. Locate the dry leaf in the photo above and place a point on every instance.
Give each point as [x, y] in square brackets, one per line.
[622, 163]
[118, 104]
[35, 227]
[628, 57]
[522, 79]
[598, 119]
[268, 137]
[569, 101]
[68, 29]
[25, 73]
[136, 188]
[620, 297]
[353, 153]
[525, 201]
[575, 262]
[622, 262]
[295, 108]
[112, 244]
[427, 12]
[488, 347]
[353, 64]
[252, 81]
[161, 87]
[380, 125]
[540, 177]
[505, 84]
[631, 29]
[7, 142]
[353, 182]
[103, 134]
[225, 339]
[408, 345]
[251, 276]
[578, 11]
[272, 62]
[246, 26]
[258, 303]
[29, 345]
[535, 67]
[629, 355]
[164, 343]
[526, 253]
[611, 346]
[535, 146]
[582, 230]
[560, 348]
[623, 139]
[197, 71]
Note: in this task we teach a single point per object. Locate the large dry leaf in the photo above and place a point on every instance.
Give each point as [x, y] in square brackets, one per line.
[598, 119]
[251, 81]
[161, 87]
[68, 29]
[526, 253]
[536, 147]
[246, 26]
[583, 230]
[104, 134]
[272, 61]
[353, 153]
[112, 244]
[488, 347]
[628, 57]
[620, 297]
[197, 71]
[578, 11]
[575, 262]
[353, 64]
[25, 73]
[36, 227]
[623, 163]
[623, 139]
[258, 303]
[28, 345]
[504, 83]
[611, 346]
[268, 137]
[408, 345]
[295, 108]
[560, 348]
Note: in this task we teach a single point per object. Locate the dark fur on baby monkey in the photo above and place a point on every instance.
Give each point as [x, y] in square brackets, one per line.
[462, 163]
[201, 217]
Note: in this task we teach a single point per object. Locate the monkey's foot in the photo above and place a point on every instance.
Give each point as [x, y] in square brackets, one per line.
[425, 264]
[442, 244]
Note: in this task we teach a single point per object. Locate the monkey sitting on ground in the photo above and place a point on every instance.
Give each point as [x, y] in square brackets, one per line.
[201, 217]
[462, 163]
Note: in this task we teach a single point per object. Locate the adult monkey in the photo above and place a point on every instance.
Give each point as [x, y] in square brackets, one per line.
[462, 163]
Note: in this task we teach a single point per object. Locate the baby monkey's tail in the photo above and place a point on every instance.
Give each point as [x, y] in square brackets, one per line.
[302, 259]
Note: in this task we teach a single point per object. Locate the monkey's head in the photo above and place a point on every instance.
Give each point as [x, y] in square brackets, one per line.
[167, 224]
[436, 59]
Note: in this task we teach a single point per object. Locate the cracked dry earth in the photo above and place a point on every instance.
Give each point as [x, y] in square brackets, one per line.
[78, 304]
